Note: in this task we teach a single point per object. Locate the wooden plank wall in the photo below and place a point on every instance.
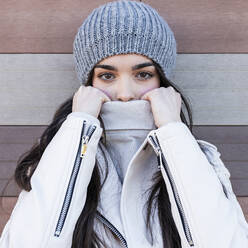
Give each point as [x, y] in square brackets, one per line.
[37, 75]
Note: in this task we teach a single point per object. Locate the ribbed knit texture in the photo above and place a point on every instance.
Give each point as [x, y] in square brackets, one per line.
[122, 27]
[126, 130]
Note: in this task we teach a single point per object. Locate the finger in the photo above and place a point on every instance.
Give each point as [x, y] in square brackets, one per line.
[106, 99]
[178, 99]
[145, 96]
[170, 88]
[82, 87]
[104, 94]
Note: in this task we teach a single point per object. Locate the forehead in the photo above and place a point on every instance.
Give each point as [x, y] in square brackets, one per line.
[128, 59]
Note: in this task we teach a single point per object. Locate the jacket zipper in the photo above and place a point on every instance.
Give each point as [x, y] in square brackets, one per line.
[84, 139]
[153, 140]
[112, 227]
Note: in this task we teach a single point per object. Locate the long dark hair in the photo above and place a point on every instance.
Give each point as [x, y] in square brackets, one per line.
[84, 234]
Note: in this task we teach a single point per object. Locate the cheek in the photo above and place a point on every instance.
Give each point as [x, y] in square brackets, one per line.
[146, 90]
[152, 85]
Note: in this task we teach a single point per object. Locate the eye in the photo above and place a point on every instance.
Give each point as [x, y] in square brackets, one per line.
[145, 74]
[142, 76]
[104, 74]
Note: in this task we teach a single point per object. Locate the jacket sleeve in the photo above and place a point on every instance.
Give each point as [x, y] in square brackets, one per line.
[210, 207]
[59, 187]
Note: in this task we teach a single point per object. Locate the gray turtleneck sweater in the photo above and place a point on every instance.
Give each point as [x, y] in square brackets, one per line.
[126, 124]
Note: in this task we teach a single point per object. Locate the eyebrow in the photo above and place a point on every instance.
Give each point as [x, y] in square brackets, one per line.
[135, 67]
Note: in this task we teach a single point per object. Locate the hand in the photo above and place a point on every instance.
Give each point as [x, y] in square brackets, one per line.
[165, 105]
[89, 99]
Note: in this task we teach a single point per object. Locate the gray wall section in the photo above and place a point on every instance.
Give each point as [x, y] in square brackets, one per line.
[34, 85]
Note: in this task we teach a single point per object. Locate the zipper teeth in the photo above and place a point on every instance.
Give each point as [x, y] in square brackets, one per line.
[90, 130]
[154, 144]
[175, 192]
[179, 204]
[113, 228]
[71, 184]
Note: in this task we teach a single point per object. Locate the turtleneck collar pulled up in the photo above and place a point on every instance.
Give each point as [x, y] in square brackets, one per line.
[127, 125]
[136, 114]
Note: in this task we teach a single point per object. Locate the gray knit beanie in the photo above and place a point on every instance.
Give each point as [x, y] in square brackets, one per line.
[122, 27]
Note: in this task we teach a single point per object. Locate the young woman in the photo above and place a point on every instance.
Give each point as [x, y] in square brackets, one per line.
[119, 165]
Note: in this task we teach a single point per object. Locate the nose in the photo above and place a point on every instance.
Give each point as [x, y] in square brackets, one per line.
[125, 91]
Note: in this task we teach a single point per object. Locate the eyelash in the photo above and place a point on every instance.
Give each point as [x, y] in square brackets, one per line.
[107, 73]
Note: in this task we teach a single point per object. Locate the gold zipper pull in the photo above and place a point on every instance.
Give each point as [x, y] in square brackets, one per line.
[85, 140]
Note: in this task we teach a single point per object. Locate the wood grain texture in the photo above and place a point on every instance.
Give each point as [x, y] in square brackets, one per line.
[212, 78]
[9, 203]
[15, 140]
[34, 85]
[50, 26]
[206, 26]
[43, 27]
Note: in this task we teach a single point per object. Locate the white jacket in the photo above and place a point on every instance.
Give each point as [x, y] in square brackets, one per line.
[204, 207]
